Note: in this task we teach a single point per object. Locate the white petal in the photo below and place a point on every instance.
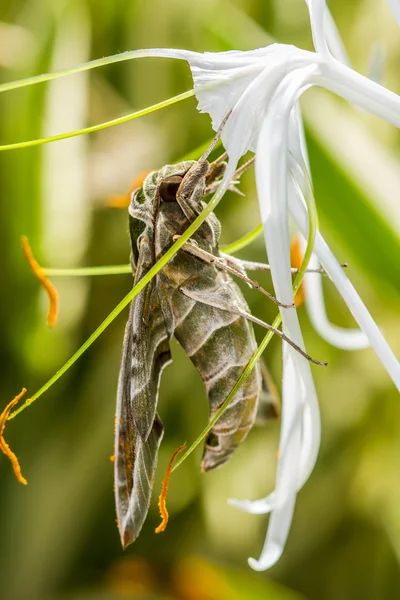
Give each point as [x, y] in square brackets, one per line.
[247, 87]
[272, 192]
[360, 90]
[395, 8]
[349, 294]
[317, 10]
[347, 339]
[324, 26]
[255, 507]
[288, 466]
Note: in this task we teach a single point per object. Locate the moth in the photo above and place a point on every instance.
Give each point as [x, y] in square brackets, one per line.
[195, 299]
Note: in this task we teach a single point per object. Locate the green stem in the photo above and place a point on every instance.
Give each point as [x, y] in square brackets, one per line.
[93, 64]
[127, 300]
[118, 121]
[124, 269]
[89, 271]
[243, 241]
[312, 228]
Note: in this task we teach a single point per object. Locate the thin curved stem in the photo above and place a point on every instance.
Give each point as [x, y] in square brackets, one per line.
[125, 301]
[243, 241]
[100, 126]
[89, 271]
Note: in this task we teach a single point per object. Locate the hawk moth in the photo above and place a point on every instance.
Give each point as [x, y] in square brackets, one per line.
[194, 299]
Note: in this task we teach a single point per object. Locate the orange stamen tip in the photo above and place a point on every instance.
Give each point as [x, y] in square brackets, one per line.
[4, 447]
[48, 286]
[296, 258]
[112, 458]
[277, 454]
[123, 200]
[162, 501]
[118, 201]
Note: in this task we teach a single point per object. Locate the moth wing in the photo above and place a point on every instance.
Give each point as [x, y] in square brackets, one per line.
[138, 429]
[151, 354]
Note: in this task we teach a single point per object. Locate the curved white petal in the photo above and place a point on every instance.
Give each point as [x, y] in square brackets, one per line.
[346, 339]
[255, 507]
[288, 466]
[395, 8]
[360, 90]
[272, 191]
[324, 24]
[317, 10]
[219, 91]
[349, 294]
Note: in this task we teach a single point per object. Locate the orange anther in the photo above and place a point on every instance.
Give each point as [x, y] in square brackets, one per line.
[123, 200]
[48, 286]
[162, 501]
[4, 447]
[296, 258]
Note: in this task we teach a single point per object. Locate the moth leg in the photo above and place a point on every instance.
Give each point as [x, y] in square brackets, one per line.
[192, 188]
[217, 299]
[248, 265]
[225, 266]
[212, 184]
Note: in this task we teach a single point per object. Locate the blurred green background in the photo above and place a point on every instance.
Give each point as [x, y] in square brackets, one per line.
[58, 538]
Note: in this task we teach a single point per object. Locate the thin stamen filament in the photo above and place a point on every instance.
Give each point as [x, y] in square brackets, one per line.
[127, 300]
[100, 126]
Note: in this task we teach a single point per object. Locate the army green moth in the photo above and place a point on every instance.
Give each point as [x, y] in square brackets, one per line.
[194, 299]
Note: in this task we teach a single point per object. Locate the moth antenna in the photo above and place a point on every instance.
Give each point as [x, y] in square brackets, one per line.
[216, 138]
[239, 172]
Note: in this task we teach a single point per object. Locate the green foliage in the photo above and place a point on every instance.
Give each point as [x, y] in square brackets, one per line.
[58, 535]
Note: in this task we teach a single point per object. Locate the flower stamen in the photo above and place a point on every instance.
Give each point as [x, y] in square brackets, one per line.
[4, 447]
[48, 286]
[123, 200]
[296, 258]
[162, 501]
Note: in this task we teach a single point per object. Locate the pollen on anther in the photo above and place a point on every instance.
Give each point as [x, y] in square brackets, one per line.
[162, 501]
[4, 447]
[296, 258]
[48, 286]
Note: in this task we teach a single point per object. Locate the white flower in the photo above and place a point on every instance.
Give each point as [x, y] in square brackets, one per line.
[262, 88]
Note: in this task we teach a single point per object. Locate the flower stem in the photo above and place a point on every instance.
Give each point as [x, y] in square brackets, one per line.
[87, 66]
[104, 125]
[125, 301]
[89, 271]
[243, 241]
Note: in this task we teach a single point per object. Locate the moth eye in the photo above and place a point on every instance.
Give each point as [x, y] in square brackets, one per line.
[169, 188]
